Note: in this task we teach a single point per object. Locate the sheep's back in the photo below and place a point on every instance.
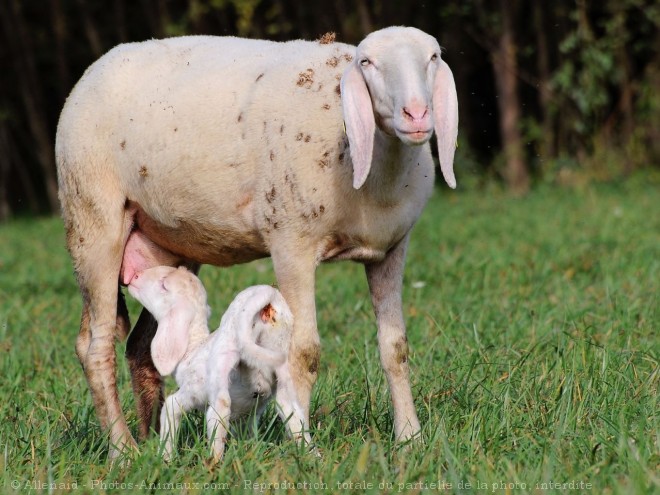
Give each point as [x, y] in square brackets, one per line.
[204, 116]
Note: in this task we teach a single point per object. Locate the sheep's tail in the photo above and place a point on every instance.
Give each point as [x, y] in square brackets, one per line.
[257, 310]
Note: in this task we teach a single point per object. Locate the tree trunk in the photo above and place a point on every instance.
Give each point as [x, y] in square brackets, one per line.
[504, 65]
[164, 19]
[547, 148]
[91, 32]
[23, 60]
[60, 34]
[120, 21]
[366, 24]
[23, 192]
[5, 209]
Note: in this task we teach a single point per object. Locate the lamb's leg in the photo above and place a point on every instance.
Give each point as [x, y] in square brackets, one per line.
[219, 410]
[295, 277]
[170, 420]
[147, 382]
[217, 421]
[385, 283]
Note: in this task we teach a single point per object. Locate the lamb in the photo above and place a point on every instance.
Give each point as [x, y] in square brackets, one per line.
[224, 150]
[234, 371]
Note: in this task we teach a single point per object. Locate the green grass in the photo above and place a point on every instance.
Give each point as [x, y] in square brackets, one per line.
[534, 359]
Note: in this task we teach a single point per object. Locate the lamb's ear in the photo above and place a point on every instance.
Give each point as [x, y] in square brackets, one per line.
[445, 116]
[171, 341]
[359, 121]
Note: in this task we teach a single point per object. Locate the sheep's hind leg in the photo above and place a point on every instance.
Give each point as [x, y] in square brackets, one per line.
[97, 257]
[85, 334]
[385, 283]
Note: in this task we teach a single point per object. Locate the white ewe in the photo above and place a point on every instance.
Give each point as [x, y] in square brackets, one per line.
[224, 150]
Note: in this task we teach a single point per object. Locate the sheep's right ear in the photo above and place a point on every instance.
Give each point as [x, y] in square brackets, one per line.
[171, 341]
[359, 121]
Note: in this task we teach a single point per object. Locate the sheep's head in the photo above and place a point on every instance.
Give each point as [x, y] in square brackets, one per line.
[399, 82]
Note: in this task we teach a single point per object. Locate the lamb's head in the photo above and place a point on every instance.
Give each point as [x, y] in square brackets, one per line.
[161, 288]
[177, 300]
[399, 82]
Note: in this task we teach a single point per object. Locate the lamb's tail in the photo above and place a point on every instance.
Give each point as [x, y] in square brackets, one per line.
[258, 309]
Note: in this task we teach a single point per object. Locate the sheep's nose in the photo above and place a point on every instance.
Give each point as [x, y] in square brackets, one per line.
[415, 112]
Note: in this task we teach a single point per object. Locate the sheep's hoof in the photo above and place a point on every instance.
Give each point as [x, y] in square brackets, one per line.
[122, 455]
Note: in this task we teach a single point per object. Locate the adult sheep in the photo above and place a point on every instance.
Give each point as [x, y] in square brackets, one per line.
[223, 150]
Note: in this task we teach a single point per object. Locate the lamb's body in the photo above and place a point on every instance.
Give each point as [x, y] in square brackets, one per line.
[249, 389]
[224, 150]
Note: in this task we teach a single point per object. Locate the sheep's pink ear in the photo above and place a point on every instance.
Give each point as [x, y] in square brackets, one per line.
[171, 341]
[445, 116]
[359, 122]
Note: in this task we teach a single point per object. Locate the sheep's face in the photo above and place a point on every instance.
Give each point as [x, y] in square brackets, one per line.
[162, 288]
[398, 82]
[399, 66]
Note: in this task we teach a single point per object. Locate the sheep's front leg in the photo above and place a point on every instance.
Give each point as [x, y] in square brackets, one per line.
[170, 420]
[385, 284]
[295, 273]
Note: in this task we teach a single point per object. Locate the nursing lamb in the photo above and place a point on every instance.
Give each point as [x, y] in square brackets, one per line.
[233, 372]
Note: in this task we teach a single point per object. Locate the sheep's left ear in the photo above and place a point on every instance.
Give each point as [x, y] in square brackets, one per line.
[359, 121]
[445, 116]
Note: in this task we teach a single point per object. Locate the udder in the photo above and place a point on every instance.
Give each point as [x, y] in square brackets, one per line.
[141, 253]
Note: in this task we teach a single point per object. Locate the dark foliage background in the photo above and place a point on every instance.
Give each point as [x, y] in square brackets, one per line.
[558, 91]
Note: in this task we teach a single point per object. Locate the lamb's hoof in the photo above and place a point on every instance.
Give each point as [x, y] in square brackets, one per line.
[315, 451]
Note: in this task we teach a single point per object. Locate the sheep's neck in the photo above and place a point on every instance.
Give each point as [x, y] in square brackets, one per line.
[389, 169]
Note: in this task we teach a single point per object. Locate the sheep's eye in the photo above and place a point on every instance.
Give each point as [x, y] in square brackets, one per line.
[364, 62]
[162, 284]
[434, 57]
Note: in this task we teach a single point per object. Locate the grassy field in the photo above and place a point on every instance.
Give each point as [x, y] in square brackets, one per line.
[533, 325]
